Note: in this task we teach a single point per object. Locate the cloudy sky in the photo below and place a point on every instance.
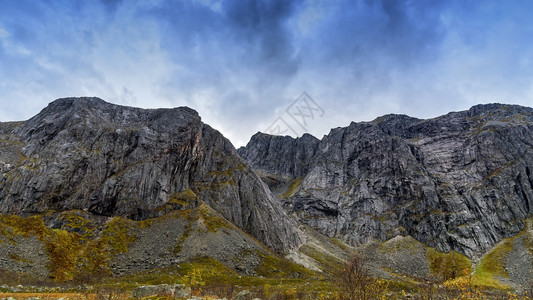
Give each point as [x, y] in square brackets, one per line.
[242, 64]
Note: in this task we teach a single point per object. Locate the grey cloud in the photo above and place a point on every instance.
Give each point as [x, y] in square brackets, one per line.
[262, 27]
[111, 5]
[241, 63]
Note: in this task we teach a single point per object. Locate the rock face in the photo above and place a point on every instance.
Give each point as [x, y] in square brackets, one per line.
[280, 155]
[86, 154]
[462, 181]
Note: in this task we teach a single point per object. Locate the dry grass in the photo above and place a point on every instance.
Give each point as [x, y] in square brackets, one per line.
[51, 296]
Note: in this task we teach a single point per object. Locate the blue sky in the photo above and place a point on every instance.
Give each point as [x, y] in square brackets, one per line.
[241, 63]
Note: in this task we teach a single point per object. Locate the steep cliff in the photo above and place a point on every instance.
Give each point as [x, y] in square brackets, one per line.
[109, 160]
[461, 181]
[280, 155]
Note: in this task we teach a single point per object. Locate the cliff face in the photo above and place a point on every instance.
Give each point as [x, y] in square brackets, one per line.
[462, 181]
[86, 154]
[280, 156]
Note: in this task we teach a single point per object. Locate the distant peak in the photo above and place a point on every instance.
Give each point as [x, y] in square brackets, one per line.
[308, 136]
[76, 103]
[482, 109]
[394, 118]
[260, 134]
[77, 100]
[305, 136]
[93, 111]
[80, 99]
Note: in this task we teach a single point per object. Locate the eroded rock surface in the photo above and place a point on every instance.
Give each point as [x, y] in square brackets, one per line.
[110, 160]
[462, 181]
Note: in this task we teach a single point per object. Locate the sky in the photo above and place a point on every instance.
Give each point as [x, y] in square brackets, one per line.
[276, 66]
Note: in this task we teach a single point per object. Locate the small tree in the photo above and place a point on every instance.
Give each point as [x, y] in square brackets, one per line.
[356, 283]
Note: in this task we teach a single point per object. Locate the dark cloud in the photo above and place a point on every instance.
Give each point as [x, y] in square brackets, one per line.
[252, 33]
[111, 5]
[241, 63]
[403, 31]
[262, 27]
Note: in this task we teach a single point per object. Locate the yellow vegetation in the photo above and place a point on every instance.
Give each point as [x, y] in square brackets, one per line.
[184, 198]
[72, 250]
[446, 266]
[292, 188]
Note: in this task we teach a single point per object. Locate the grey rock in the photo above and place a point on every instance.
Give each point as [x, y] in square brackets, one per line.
[243, 295]
[280, 155]
[24, 254]
[169, 290]
[181, 291]
[153, 248]
[518, 262]
[462, 181]
[110, 160]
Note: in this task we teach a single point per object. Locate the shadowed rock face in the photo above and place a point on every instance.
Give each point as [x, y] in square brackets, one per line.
[84, 153]
[462, 181]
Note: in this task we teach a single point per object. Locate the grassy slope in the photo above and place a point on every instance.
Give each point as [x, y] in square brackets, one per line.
[493, 269]
[80, 248]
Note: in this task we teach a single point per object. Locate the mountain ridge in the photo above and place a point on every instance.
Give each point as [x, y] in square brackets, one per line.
[125, 191]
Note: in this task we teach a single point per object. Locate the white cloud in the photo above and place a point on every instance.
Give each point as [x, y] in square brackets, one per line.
[3, 33]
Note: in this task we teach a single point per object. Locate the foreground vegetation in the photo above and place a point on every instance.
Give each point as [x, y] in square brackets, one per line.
[210, 279]
[80, 254]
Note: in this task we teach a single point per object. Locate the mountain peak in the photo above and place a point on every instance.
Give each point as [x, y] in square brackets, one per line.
[505, 109]
[78, 100]
[95, 104]
[96, 113]
[394, 118]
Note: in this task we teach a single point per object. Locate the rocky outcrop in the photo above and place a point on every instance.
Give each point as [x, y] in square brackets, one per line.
[86, 154]
[173, 291]
[462, 181]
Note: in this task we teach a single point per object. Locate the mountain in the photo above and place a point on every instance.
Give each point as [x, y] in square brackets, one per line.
[96, 192]
[114, 161]
[462, 181]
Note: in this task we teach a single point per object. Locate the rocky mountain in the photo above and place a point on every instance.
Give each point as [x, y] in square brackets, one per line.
[462, 181]
[92, 191]
[107, 160]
